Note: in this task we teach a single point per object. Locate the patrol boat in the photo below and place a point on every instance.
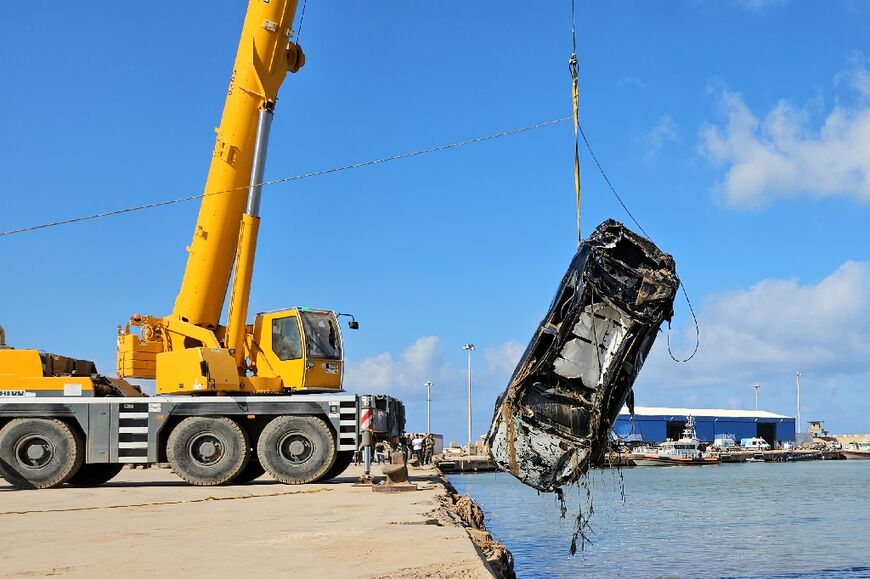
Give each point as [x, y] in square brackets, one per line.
[685, 451]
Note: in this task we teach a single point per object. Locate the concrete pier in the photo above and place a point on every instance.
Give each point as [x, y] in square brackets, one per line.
[150, 523]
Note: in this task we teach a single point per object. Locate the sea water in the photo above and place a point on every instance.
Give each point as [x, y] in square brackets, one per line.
[809, 519]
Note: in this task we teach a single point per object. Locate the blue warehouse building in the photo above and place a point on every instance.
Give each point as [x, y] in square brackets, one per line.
[654, 424]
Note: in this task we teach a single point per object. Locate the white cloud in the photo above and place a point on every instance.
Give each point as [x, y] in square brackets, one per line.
[384, 373]
[664, 131]
[856, 76]
[502, 359]
[403, 376]
[781, 155]
[762, 335]
[757, 335]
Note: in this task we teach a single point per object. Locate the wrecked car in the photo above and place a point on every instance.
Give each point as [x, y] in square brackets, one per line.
[577, 372]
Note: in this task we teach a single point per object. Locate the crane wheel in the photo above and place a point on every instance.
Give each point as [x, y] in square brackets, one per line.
[296, 449]
[93, 475]
[39, 453]
[342, 461]
[251, 472]
[206, 451]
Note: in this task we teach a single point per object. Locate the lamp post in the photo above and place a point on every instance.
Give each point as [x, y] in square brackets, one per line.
[797, 377]
[428, 385]
[757, 386]
[469, 348]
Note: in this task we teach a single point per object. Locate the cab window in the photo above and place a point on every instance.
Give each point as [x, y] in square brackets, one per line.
[321, 335]
[286, 341]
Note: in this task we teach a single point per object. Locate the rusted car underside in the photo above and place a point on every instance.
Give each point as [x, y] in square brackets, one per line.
[553, 419]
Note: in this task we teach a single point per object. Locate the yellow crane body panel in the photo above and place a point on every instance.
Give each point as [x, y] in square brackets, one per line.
[137, 358]
[196, 371]
[31, 372]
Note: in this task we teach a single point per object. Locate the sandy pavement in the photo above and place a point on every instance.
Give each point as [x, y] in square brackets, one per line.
[148, 522]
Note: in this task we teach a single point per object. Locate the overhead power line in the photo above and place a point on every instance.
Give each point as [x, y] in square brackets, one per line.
[322, 172]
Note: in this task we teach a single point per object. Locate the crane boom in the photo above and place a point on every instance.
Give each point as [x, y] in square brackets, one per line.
[263, 59]
[282, 350]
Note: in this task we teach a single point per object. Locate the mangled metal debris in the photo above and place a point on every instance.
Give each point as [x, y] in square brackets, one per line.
[575, 375]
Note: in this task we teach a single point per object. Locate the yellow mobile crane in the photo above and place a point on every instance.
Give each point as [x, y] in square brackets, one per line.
[229, 403]
[189, 350]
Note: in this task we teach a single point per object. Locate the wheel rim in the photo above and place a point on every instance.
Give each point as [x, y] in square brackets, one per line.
[206, 448]
[34, 452]
[295, 448]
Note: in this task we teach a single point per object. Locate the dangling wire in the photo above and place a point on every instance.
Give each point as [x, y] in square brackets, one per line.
[301, 20]
[697, 330]
[573, 68]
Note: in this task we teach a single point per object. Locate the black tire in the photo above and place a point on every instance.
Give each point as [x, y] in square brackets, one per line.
[251, 472]
[93, 475]
[342, 461]
[207, 451]
[296, 449]
[39, 453]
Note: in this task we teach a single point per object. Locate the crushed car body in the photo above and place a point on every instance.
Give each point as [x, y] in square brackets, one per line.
[577, 372]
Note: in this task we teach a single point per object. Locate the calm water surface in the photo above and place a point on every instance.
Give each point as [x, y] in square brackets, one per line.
[809, 519]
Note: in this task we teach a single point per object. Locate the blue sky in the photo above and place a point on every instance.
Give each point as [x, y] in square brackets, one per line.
[737, 134]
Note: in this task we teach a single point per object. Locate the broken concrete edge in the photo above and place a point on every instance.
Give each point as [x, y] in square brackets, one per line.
[465, 512]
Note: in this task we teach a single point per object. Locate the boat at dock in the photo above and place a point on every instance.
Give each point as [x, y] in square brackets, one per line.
[857, 451]
[683, 452]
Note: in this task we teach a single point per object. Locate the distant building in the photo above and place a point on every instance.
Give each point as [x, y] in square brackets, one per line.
[654, 424]
[818, 433]
[816, 429]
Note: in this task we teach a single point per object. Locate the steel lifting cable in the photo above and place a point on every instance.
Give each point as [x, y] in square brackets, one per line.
[359, 165]
[298, 38]
[573, 68]
[647, 235]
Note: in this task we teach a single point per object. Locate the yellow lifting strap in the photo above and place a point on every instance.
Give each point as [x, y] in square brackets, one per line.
[575, 98]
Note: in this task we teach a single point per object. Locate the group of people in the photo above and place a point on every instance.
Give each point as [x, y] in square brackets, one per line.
[419, 445]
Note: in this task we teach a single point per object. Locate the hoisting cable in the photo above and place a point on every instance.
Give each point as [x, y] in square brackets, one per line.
[298, 38]
[573, 68]
[299, 177]
[697, 330]
[647, 235]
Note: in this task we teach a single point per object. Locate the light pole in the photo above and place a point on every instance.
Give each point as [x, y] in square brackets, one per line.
[797, 377]
[469, 348]
[757, 386]
[428, 385]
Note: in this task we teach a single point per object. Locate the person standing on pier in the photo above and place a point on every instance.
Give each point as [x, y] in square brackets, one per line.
[428, 447]
[418, 448]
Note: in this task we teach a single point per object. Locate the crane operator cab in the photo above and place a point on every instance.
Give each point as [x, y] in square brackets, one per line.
[284, 350]
[301, 346]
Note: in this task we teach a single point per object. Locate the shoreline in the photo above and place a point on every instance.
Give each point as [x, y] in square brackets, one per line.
[469, 514]
[149, 521]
